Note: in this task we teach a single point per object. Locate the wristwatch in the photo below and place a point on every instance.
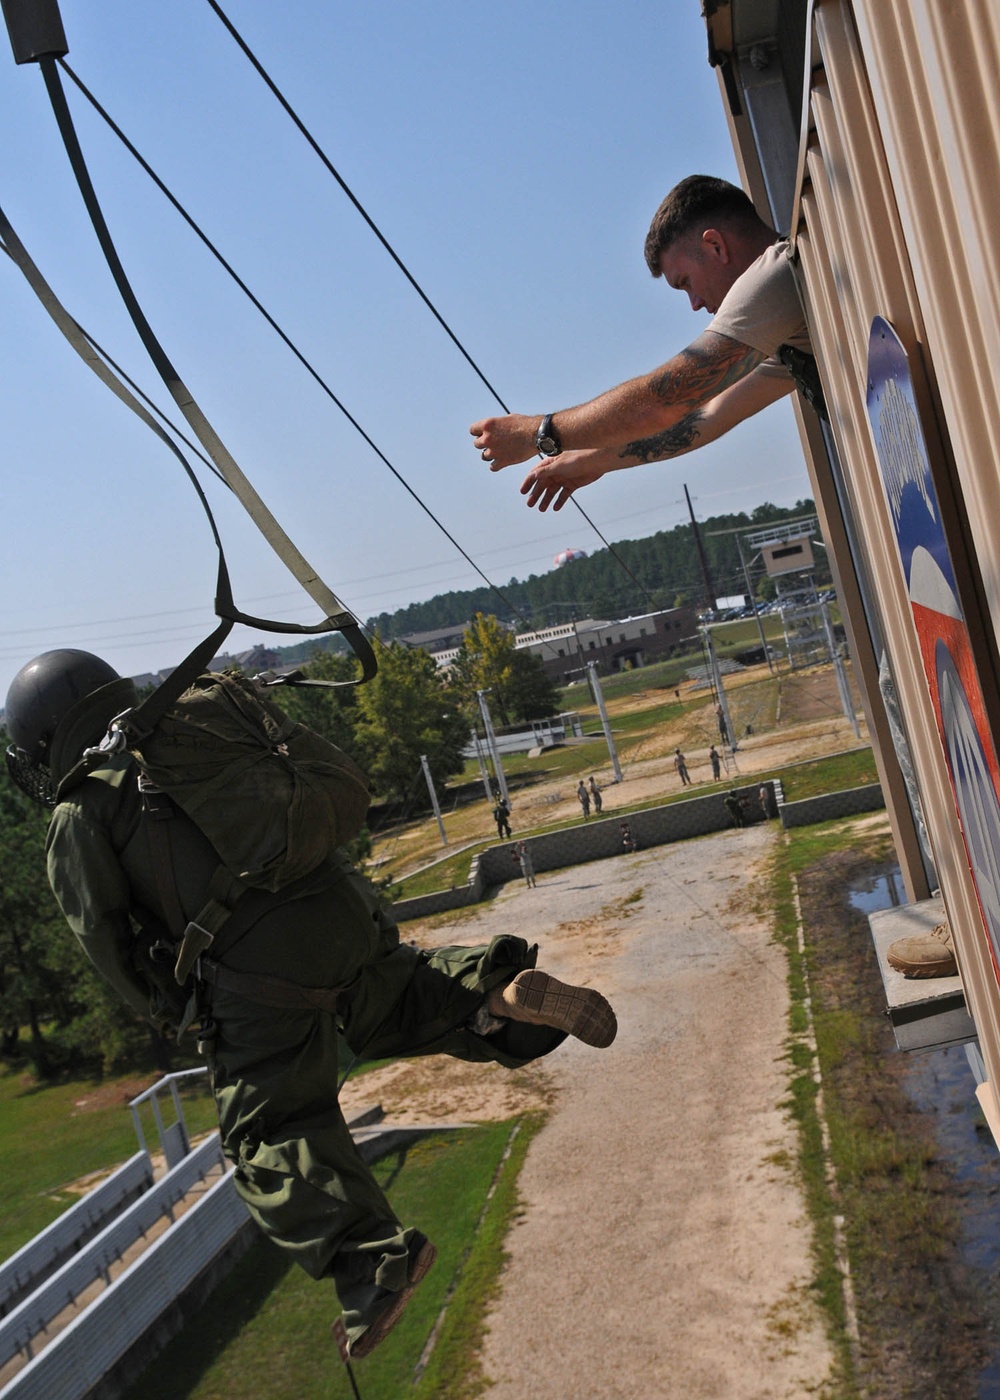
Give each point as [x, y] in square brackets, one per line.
[547, 439]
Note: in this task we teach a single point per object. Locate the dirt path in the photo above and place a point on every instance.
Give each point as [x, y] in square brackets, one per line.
[662, 1249]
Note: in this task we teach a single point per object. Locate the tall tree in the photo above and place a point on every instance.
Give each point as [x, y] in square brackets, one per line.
[406, 711]
[30, 989]
[330, 712]
[488, 659]
[47, 986]
[485, 661]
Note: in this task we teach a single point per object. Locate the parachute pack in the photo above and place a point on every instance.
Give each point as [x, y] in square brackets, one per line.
[272, 796]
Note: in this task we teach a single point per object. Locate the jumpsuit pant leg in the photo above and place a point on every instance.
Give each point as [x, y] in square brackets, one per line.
[275, 1076]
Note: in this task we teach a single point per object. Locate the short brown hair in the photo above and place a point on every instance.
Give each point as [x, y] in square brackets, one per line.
[696, 200]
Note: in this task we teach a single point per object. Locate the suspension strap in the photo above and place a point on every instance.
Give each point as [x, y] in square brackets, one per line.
[194, 937]
[337, 617]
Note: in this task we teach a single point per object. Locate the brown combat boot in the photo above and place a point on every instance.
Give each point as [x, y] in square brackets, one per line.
[924, 954]
[422, 1256]
[539, 998]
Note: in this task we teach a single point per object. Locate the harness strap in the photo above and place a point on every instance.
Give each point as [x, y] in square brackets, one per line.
[158, 808]
[196, 935]
[337, 616]
[271, 991]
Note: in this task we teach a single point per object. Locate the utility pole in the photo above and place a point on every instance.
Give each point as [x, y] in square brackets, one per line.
[491, 740]
[434, 797]
[717, 683]
[702, 557]
[482, 766]
[598, 694]
[838, 668]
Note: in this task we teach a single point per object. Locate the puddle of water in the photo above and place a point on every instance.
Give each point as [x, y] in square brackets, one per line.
[942, 1085]
[885, 891]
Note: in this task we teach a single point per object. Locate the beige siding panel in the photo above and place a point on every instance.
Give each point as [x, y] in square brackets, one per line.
[941, 126]
[855, 254]
[900, 217]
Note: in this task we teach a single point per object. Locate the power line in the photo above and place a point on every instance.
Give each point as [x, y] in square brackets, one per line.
[286, 338]
[329, 166]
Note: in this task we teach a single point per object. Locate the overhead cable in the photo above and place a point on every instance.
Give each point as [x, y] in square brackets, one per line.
[328, 164]
[278, 330]
[285, 338]
[336, 616]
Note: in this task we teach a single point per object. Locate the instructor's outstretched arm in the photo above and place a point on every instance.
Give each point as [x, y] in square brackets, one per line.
[552, 481]
[636, 409]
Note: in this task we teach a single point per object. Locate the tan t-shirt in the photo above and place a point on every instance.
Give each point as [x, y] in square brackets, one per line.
[762, 308]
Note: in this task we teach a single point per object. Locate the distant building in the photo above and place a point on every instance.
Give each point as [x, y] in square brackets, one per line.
[615, 645]
[438, 639]
[566, 648]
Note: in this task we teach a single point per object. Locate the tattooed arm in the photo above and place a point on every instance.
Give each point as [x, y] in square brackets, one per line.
[553, 480]
[638, 409]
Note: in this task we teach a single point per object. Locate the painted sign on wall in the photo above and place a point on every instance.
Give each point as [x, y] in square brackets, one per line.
[945, 646]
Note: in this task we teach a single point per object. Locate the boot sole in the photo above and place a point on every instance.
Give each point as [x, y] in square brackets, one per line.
[579, 1011]
[947, 968]
[378, 1330]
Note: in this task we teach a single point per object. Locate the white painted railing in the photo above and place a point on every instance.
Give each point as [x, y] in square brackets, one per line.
[48, 1251]
[74, 1361]
[94, 1261]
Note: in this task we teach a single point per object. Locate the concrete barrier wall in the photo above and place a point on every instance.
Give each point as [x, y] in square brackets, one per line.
[831, 805]
[595, 839]
[601, 837]
[423, 905]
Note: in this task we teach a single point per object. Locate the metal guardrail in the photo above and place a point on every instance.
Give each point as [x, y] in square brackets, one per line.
[94, 1261]
[84, 1352]
[26, 1270]
[173, 1140]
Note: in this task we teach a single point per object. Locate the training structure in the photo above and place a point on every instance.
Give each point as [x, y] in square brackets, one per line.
[870, 131]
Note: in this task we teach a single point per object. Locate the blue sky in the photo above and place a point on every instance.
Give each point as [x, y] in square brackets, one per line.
[512, 156]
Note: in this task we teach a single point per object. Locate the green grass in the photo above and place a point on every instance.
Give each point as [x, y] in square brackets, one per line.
[266, 1330]
[50, 1136]
[884, 1188]
[803, 848]
[728, 637]
[837, 773]
[660, 675]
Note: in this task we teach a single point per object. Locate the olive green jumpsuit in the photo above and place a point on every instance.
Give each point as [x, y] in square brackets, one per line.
[274, 1071]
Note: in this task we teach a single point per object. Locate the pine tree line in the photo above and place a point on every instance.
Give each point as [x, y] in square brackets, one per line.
[665, 564]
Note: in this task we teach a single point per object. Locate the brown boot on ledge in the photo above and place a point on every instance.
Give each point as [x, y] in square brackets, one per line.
[540, 999]
[924, 954]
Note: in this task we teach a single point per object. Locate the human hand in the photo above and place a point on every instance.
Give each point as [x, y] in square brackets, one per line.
[552, 481]
[504, 441]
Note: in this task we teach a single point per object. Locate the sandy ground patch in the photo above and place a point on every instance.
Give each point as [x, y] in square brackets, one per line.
[662, 1249]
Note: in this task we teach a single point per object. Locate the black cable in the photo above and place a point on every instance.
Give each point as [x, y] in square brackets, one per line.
[286, 339]
[304, 131]
[328, 164]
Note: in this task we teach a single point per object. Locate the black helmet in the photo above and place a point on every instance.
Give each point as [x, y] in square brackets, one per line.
[51, 694]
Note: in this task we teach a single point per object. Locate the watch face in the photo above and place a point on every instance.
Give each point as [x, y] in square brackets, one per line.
[547, 447]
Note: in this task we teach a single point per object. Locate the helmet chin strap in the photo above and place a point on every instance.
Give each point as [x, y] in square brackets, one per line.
[33, 779]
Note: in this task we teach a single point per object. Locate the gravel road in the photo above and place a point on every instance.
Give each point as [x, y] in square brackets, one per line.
[662, 1250]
